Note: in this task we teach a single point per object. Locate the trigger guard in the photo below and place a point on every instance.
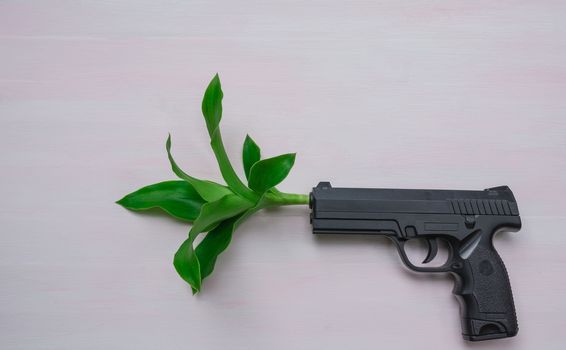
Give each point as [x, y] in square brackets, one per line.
[447, 267]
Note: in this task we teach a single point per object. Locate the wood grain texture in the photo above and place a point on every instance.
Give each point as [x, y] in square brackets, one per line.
[417, 94]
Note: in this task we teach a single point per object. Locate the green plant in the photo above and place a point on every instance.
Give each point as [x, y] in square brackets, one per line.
[214, 209]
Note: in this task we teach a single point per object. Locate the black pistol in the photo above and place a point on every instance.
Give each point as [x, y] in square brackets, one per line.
[465, 220]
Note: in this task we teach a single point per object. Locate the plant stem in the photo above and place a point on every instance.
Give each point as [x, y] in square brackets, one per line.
[228, 173]
[282, 198]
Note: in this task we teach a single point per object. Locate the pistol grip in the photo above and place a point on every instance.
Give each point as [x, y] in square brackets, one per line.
[483, 290]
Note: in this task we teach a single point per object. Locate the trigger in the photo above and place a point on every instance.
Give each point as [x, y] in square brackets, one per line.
[432, 245]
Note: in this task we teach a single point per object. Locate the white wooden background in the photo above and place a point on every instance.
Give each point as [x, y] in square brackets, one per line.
[416, 94]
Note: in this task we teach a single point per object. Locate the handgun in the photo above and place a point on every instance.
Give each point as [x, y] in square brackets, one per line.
[465, 220]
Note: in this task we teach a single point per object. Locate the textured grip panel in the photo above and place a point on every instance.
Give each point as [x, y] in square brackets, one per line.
[486, 302]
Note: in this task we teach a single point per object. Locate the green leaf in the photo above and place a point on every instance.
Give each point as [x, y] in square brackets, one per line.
[250, 155]
[267, 173]
[186, 261]
[178, 198]
[212, 111]
[218, 239]
[187, 265]
[212, 104]
[224, 208]
[208, 190]
[215, 242]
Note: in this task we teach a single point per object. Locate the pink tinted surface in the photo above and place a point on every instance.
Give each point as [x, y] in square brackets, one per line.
[442, 94]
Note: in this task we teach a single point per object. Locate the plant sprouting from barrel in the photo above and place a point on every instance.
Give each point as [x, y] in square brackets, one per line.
[215, 210]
